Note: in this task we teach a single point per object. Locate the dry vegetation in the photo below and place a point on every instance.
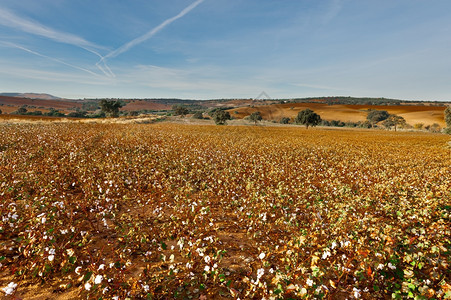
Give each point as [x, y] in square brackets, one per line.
[175, 211]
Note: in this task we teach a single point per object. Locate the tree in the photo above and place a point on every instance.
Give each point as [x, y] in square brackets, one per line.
[54, 113]
[111, 108]
[22, 110]
[220, 117]
[394, 121]
[255, 117]
[0, 111]
[375, 116]
[308, 118]
[198, 115]
[180, 110]
[285, 120]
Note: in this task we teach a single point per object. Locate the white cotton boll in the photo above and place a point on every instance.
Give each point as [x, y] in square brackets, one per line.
[207, 259]
[87, 286]
[78, 270]
[98, 279]
[51, 257]
[10, 288]
[356, 293]
[262, 255]
[391, 266]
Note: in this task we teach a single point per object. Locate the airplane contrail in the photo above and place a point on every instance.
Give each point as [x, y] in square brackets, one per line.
[12, 20]
[150, 33]
[48, 57]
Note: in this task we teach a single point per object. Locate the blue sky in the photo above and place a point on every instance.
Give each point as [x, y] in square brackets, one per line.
[204, 49]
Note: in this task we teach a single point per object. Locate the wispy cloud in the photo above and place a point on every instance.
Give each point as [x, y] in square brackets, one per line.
[151, 33]
[9, 19]
[9, 44]
[12, 20]
[332, 11]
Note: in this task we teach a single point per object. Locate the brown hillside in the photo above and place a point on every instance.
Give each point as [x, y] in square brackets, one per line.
[10, 104]
[354, 113]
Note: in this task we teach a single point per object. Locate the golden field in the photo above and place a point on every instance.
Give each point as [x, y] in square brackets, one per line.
[162, 211]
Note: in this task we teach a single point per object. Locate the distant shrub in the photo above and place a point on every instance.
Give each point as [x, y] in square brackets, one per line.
[285, 120]
[77, 114]
[180, 110]
[54, 113]
[418, 126]
[198, 115]
[255, 117]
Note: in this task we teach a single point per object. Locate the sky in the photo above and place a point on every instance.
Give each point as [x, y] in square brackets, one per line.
[212, 49]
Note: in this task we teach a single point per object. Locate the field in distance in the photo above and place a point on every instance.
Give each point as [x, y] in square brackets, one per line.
[413, 114]
[271, 110]
[211, 212]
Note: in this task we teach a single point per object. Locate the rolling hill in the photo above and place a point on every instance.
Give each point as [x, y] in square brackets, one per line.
[345, 109]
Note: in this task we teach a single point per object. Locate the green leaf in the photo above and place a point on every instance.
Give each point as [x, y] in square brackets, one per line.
[87, 276]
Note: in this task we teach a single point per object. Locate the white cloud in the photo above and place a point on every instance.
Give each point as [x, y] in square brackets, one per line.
[12, 20]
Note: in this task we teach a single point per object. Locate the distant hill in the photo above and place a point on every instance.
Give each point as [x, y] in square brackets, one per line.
[31, 96]
[345, 109]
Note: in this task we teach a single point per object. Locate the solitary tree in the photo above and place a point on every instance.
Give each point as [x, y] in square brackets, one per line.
[180, 110]
[255, 117]
[220, 117]
[308, 118]
[110, 108]
[394, 121]
[375, 116]
[0, 111]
